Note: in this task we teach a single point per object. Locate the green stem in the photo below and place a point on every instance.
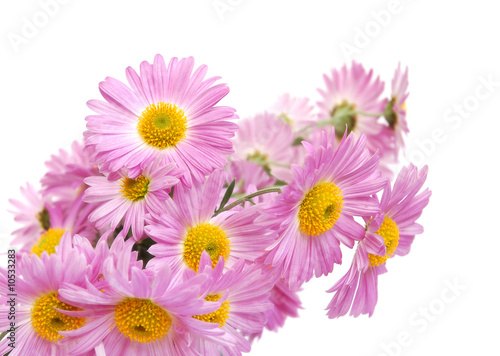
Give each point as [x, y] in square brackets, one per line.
[368, 113]
[248, 198]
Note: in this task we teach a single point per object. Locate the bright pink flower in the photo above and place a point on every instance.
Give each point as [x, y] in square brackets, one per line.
[127, 200]
[188, 227]
[37, 310]
[140, 311]
[244, 293]
[388, 234]
[168, 111]
[316, 210]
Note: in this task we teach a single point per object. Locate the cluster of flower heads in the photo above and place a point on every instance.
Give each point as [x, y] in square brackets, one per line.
[176, 229]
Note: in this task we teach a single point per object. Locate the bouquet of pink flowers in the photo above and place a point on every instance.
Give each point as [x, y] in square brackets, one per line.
[174, 228]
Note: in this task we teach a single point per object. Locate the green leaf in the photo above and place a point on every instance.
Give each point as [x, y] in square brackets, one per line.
[227, 195]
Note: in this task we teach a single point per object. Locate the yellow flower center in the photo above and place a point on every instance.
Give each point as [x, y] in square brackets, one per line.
[320, 209]
[220, 315]
[205, 237]
[47, 321]
[390, 232]
[142, 320]
[48, 241]
[162, 125]
[134, 189]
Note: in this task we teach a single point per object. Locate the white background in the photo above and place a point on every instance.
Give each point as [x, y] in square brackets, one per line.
[262, 49]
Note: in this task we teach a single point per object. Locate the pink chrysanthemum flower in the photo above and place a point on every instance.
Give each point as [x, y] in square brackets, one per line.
[167, 111]
[66, 171]
[388, 234]
[266, 141]
[33, 214]
[316, 210]
[296, 112]
[128, 199]
[244, 293]
[353, 98]
[35, 298]
[395, 109]
[139, 312]
[188, 227]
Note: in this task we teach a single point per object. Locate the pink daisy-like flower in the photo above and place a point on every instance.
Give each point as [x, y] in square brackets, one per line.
[316, 210]
[395, 109]
[129, 199]
[244, 293]
[140, 312]
[67, 170]
[188, 227]
[266, 141]
[296, 112]
[388, 234]
[38, 320]
[353, 98]
[33, 214]
[167, 111]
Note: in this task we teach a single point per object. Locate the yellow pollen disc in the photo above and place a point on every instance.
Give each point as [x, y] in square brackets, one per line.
[390, 232]
[134, 189]
[47, 321]
[220, 315]
[403, 106]
[48, 241]
[320, 209]
[142, 320]
[162, 125]
[205, 237]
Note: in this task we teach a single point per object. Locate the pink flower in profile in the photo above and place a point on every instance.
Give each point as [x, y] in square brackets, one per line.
[38, 306]
[126, 199]
[353, 98]
[296, 112]
[140, 312]
[388, 234]
[316, 210]
[395, 109]
[244, 294]
[32, 214]
[168, 111]
[266, 141]
[188, 227]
